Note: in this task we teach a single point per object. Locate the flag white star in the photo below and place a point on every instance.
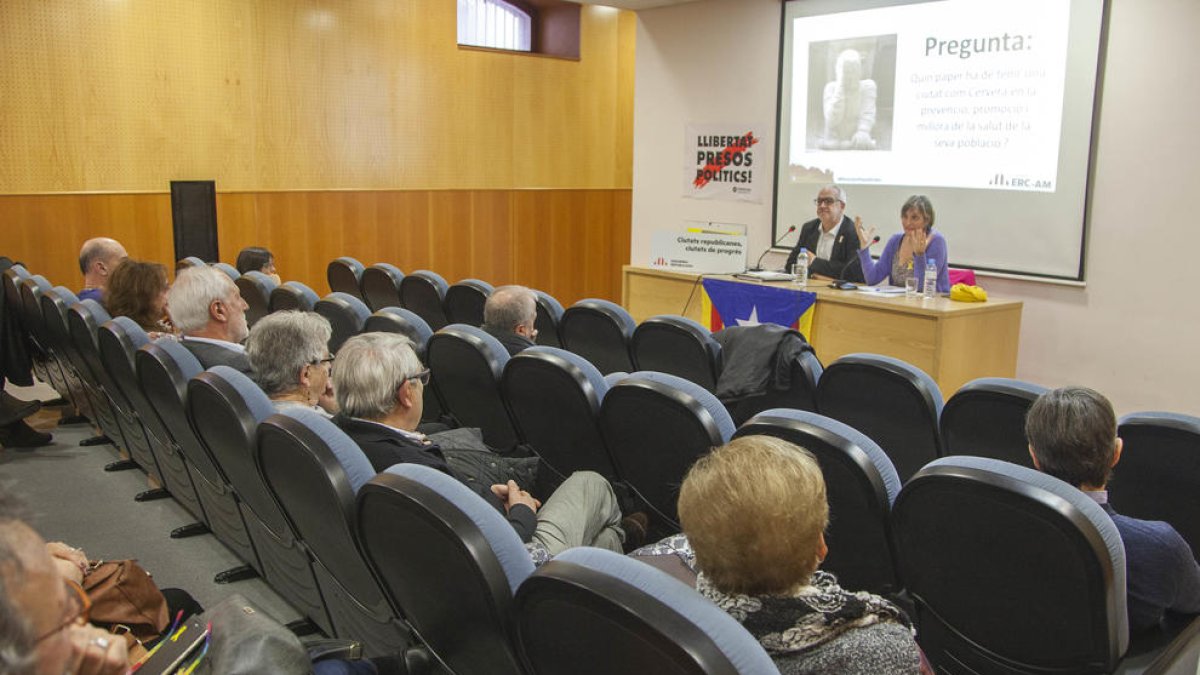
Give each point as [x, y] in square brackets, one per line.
[753, 320]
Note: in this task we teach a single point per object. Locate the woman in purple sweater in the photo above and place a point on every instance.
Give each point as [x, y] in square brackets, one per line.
[905, 254]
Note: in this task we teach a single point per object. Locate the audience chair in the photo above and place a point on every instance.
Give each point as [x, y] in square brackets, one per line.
[225, 407]
[599, 331]
[346, 314]
[228, 269]
[555, 398]
[789, 371]
[860, 483]
[465, 300]
[895, 404]
[189, 261]
[256, 289]
[54, 317]
[83, 321]
[381, 286]
[164, 369]
[293, 295]
[45, 363]
[424, 293]
[986, 418]
[345, 276]
[549, 314]
[448, 562]
[593, 612]
[677, 346]
[656, 426]
[1010, 570]
[313, 470]
[467, 365]
[12, 279]
[120, 339]
[1158, 477]
[413, 327]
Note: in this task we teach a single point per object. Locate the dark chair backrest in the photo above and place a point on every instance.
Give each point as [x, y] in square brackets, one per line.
[256, 289]
[592, 611]
[860, 484]
[465, 300]
[449, 562]
[678, 346]
[1011, 570]
[413, 327]
[1158, 477]
[986, 418]
[12, 278]
[314, 470]
[555, 397]
[467, 364]
[346, 314]
[83, 321]
[894, 403]
[424, 293]
[766, 366]
[345, 276]
[30, 291]
[381, 286]
[599, 331]
[549, 315]
[293, 295]
[656, 426]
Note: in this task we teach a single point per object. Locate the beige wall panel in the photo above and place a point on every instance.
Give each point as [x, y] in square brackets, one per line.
[126, 96]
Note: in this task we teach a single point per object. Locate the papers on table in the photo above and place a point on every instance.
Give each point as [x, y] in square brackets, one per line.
[769, 275]
[881, 290]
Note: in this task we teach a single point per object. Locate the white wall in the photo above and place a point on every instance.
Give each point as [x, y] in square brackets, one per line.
[1133, 332]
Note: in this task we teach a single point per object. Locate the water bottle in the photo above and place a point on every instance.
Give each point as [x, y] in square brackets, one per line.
[931, 274]
[800, 271]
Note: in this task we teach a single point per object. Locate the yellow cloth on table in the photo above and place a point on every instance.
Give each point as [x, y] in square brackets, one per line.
[965, 293]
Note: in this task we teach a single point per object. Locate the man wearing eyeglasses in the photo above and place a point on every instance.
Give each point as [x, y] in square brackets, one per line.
[380, 387]
[831, 240]
[44, 615]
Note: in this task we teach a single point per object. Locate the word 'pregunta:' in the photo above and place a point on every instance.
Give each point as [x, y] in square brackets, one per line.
[964, 49]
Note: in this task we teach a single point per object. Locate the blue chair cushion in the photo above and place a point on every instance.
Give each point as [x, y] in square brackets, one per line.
[354, 462]
[357, 307]
[598, 382]
[706, 399]
[260, 406]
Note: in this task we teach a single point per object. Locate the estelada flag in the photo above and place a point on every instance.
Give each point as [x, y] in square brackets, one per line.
[729, 303]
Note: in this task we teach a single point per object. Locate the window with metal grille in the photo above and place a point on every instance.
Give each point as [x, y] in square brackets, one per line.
[494, 23]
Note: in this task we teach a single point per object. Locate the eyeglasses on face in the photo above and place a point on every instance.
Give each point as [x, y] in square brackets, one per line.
[422, 377]
[78, 605]
[825, 201]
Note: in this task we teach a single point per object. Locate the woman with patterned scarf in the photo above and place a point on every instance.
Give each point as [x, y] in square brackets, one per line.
[754, 514]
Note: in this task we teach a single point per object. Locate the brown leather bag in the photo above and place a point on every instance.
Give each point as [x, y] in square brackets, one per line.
[124, 596]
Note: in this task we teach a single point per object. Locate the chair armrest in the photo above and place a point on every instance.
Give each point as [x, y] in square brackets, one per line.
[1172, 650]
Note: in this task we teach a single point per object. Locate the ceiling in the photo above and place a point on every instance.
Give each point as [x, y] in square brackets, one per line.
[633, 4]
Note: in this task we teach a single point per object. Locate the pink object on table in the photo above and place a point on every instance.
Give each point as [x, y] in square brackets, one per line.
[962, 277]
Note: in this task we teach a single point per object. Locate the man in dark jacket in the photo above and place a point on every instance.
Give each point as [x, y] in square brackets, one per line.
[830, 239]
[379, 383]
[510, 315]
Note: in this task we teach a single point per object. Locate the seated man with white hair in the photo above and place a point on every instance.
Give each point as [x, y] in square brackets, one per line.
[380, 383]
[210, 314]
[289, 352]
[510, 316]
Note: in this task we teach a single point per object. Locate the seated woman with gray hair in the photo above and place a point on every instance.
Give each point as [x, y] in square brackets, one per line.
[758, 562]
[289, 352]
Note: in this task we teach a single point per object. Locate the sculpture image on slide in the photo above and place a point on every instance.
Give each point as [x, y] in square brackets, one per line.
[849, 106]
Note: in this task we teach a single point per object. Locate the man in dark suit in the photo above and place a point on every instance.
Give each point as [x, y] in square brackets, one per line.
[207, 308]
[380, 383]
[831, 239]
[510, 316]
[1072, 435]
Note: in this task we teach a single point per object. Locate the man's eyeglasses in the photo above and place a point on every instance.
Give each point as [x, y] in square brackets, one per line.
[825, 201]
[326, 360]
[422, 377]
[78, 605]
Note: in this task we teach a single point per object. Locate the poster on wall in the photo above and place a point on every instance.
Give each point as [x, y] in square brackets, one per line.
[721, 161]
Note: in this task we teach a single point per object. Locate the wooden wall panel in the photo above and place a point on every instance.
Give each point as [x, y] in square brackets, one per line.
[304, 94]
[570, 243]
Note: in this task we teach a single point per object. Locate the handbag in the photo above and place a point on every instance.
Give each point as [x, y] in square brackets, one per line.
[125, 599]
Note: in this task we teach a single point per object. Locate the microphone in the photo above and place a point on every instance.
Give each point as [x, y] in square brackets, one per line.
[758, 265]
[841, 282]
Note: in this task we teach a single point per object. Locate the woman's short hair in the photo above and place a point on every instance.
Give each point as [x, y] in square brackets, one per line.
[253, 259]
[282, 343]
[922, 205]
[193, 292]
[133, 291]
[754, 511]
[1073, 433]
[369, 370]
